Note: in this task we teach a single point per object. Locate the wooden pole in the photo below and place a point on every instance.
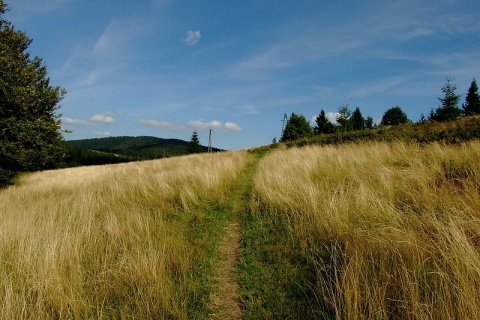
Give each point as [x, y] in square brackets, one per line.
[210, 141]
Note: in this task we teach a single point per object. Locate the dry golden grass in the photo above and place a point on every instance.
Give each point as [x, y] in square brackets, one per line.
[106, 241]
[393, 229]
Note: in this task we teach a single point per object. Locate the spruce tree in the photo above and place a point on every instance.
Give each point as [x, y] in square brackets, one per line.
[30, 137]
[369, 123]
[194, 143]
[449, 109]
[323, 124]
[358, 122]
[343, 118]
[472, 100]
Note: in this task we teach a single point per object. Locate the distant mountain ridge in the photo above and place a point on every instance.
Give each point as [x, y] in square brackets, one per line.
[128, 148]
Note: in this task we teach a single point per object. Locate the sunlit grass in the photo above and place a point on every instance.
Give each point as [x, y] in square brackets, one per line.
[392, 229]
[115, 241]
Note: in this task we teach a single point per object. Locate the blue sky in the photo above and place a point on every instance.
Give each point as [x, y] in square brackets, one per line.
[167, 67]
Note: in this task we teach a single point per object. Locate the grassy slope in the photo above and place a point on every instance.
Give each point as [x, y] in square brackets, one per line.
[122, 241]
[368, 231]
[312, 247]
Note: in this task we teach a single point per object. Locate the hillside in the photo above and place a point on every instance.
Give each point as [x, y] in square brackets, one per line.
[126, 149]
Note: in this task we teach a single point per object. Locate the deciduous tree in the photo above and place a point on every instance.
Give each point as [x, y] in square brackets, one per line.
[297, 127]
[30, 137]
[394, 116]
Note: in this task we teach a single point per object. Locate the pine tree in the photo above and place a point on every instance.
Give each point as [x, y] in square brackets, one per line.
[297, 127]
[448, 110]
[194, 143]
[30, 136]
[323, 124]
[358, 122]
[472, 100]
[369, 123]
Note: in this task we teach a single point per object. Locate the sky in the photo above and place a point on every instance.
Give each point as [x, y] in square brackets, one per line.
[165, 68]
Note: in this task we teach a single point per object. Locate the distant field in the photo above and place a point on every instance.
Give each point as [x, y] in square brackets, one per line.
[112, 242]
[392, 231]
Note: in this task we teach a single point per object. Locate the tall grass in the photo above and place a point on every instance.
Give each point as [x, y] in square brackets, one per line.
[393, 230]
[116, 241]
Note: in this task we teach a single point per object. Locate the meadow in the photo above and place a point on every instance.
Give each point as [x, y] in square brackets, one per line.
[119, 241]
[392, 231]
[370, 230]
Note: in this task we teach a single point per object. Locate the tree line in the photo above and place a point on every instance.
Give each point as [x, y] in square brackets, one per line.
[298, 127]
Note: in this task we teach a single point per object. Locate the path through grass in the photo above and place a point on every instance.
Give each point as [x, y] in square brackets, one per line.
[226, 302]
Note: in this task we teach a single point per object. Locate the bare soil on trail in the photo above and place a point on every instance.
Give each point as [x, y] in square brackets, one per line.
[226, 298]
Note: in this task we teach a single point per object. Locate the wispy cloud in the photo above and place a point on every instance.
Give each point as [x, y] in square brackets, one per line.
[215, 124]
[192, 37]
[102, 133]
[77, 122]
[162, 124]
[103, 118]
[194, 125]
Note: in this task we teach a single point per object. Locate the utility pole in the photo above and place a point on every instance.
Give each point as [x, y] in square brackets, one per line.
[285, 118]
[210, 142]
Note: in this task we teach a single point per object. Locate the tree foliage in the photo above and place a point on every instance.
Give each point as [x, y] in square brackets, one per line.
[449, 109]
[394, 116]
[297, 127]
[472, 100]
[29, 124]
[358, 122]
[194, 143]
[343, 118]
[369, 123]
[324, 126]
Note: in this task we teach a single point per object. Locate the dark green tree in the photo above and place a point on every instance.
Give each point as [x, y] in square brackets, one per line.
[323, 124]
[194, 143]
[30, 137]
[343, 118]
[449, 109]
[472, 100]
[297, 127]
[369, 123]
[358, 122]
[394, 116]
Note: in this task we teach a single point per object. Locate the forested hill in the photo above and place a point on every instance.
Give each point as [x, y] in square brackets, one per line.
[125, 149]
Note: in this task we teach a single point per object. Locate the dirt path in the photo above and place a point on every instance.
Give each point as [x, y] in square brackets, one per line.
[226, 296]
[226, 300]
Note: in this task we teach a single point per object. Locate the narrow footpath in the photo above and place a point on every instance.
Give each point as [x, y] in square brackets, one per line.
[226, 295]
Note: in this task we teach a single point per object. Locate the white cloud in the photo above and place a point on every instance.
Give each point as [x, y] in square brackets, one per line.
[102, 133]
[103, 118]
[162, 124]
[215, 124]
[231, 126]
[194, 125]
[192, 37]
[77, 122]
[332, 117]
